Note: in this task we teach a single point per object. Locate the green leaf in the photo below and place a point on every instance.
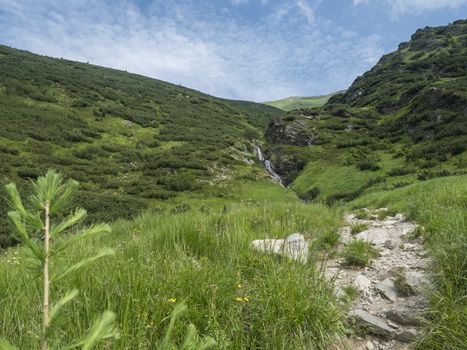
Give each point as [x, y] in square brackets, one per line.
[56, 310]
[65, 199]
[4, 345]
[15, 198]
[104, 252]
[46, 188]
[74, 218]
[88, 232]
[101, 329]
[16, 218]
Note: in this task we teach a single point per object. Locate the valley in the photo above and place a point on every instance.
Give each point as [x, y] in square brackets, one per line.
[187, 181]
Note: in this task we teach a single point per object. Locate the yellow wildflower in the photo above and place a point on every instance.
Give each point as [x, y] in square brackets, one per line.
[172, 300]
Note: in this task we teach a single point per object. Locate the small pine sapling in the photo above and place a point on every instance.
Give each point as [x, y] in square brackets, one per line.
[52, 196]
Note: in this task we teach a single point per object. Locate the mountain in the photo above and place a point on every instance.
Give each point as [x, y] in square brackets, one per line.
[403, 121]
[296, 102]
[131, 141]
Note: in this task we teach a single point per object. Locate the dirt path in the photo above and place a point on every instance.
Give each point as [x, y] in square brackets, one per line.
[388, 303]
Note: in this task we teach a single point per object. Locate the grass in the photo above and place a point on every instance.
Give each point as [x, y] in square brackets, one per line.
[440, 206]
[240, 298]
[358, 227]
[295, 102]
[359, 253]
[131, 141]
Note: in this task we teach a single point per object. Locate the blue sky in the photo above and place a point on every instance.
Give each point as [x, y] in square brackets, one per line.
[242, 49]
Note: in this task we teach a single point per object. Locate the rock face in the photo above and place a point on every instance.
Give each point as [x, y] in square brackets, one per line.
[294, 247]
[292, 132]
[390, 304]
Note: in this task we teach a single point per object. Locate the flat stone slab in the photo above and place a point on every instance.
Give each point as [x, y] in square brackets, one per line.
[387, 289]
[376, 325]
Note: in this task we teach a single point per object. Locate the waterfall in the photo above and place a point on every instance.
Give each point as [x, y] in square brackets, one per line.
[267, 165]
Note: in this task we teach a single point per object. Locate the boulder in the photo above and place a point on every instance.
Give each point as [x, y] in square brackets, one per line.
[375, 325]
[294, 247]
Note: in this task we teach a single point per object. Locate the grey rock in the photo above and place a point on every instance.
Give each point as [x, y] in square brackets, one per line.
[409, 246]
[407, 335]
[389, 244]
[296, 248]
[362, 283]
[339, 293]
[369, 345]
[387, 289]
[392, 324]
[375, 325]
[414, 281]
[404, 317]
[400, 217]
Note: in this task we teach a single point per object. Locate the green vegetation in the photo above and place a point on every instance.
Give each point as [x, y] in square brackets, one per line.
[177, 168]
[133, 142]
[296, 102]
[240, 298]
[440, 206]
[359, 252]
[357, 227]
[400, 123]
[51, 197]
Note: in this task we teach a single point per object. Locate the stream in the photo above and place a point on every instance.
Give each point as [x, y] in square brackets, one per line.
[267, 165]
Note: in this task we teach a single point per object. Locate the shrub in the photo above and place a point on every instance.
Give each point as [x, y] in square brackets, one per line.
[310, 195]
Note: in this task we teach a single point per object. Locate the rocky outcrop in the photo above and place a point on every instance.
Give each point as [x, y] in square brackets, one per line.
[295, 131]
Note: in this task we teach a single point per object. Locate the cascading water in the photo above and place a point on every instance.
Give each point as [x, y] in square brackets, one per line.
[268, 166]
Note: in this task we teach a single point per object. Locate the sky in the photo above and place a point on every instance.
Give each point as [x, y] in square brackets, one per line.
[255, 50]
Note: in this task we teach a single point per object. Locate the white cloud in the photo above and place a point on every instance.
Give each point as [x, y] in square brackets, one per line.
[408, 6]
[400, 7]
[307, 11]
[274, 58]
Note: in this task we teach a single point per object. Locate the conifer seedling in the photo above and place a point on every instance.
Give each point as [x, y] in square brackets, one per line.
[38, 229]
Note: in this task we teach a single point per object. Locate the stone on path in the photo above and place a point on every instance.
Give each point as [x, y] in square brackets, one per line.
[387, 289]
[407, 335]
[376, 325]
[404, 317]
[362, 283]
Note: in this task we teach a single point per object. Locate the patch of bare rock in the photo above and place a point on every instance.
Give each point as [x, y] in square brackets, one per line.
[388, 294]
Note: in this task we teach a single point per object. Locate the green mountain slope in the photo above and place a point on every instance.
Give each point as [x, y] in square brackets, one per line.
[296, 102]
[403, 121]
[133, 142]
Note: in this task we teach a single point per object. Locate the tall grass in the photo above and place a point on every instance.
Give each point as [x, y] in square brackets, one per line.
[440, 205]
[239, 297]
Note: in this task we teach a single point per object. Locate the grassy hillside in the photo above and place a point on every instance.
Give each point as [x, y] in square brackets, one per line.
[297, 102]
[243, 299]
[402, 122]
[133, 142]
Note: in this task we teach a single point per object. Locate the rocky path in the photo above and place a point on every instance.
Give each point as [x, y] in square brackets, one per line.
[388, 304]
